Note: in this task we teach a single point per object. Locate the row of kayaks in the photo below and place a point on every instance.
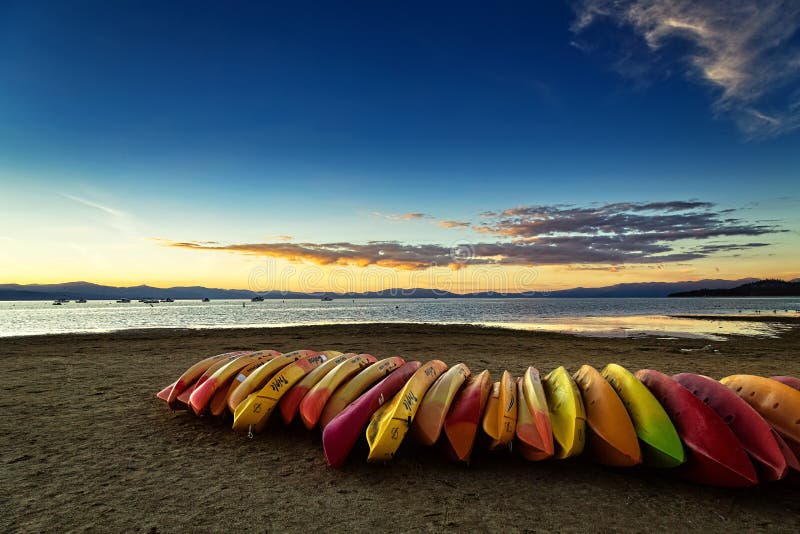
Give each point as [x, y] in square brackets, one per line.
[734, 432]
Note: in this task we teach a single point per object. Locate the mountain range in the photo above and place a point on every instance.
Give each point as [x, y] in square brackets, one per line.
[76, 290]
[761, 288]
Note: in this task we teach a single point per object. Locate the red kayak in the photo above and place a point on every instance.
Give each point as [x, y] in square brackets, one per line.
[790, 381]
[343, 431]
[756, 435]
[716, 457]
[464, 418]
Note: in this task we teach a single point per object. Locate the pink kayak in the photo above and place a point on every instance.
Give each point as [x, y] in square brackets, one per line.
[344, 430]
[716, 457]
[755, 434]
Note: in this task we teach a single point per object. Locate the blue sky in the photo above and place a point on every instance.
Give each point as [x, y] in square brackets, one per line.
[231, 122]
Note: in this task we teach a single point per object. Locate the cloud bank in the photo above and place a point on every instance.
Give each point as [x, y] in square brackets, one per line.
[611, 234]
[746, 49]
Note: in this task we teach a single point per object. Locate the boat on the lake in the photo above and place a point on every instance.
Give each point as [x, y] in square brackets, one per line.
[257, 299]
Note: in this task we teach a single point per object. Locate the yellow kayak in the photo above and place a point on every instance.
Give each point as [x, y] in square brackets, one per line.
[253, 413]
[315, 400]
[500, 418]
[353, 388]
[256, 379]
[658, 439]
[567, 414]
[291, 401]
[436, 403]
[390, 423]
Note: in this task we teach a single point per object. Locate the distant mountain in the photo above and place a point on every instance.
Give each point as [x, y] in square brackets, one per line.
[761, 288]
[87, 290]
[646, 289]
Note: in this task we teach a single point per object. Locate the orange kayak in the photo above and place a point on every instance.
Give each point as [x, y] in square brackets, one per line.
[348, 392]
[253, 413]
[500, 419]
[526, 428]
[260, 376]
[219, 381]
[191, 375]
[611, 439]
[314, 402]
[461, 424]
[778, 403]
[183, 398]
[290, 402]
[435, 404]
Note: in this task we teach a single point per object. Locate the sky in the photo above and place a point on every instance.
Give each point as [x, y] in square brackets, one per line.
[367, 145]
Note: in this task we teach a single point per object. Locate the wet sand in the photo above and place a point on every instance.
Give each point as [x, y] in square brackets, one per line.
[86, 446]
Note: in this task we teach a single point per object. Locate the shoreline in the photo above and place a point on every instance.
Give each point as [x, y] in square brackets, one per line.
[84, 442]
[508, 327]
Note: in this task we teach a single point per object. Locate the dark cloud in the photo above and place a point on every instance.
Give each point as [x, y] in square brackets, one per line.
[608, 235]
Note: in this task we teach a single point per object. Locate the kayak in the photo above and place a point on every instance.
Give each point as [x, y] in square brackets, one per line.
[253, 413]
[291, 401]
[500, 418]
[192, 374]
[390, 423]
[184, 397]
[342, 432]
[314, 401]
[610, 437]
[778, 403]
[219, 402]
[164, 393]
[755, 434]
[536, 400]
[257, 378]
[464, 417]
[567, 414]
[716, 457]
[658, 439]
[790, 381]
[353, 388]
[436, 403]
[528, 438]
[202, 395]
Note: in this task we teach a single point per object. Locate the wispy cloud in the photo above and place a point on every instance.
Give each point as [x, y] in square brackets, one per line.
[602, 235]
[454, 224]
[96, 205]
[109, 216]
[746, 49]
[281, 237]
[404, 216]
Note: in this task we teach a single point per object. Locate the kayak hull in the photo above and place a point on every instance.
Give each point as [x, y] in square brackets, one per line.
[464, 418]
[390, 423]
[314, 401]
[611, 438]
[353, 388]
[716, 457]
[567, 414]
[755, 434]
[437, 401]
[658, 440]
[343, 431]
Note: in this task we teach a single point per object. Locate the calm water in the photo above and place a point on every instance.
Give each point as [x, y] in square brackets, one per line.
[620, 317]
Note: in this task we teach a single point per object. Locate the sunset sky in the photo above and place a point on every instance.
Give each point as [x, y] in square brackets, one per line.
[366, 145]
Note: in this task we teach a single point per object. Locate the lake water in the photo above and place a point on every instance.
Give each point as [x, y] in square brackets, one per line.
[607, 317]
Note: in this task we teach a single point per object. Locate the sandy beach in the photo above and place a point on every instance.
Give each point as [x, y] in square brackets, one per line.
[86, 446]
